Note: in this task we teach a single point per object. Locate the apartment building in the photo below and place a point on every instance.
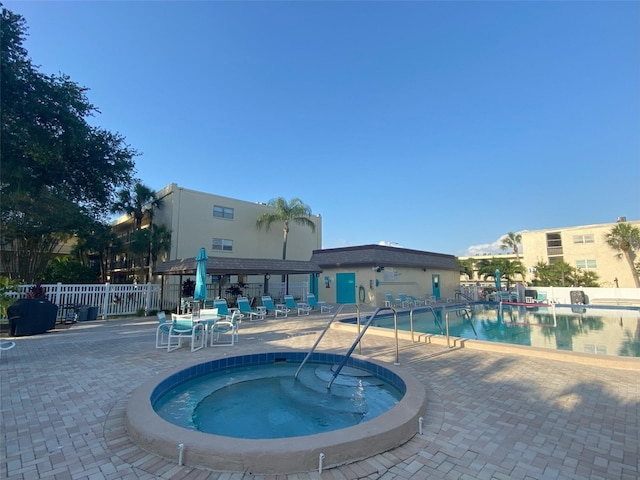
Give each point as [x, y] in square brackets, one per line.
[225, 226]
[584, 247]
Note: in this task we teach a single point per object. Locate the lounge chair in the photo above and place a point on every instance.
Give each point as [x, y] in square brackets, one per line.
[392, 302]
[314, 303]
[183, 326]
[277, 309]
[245, 309]
[227, 326]
[417, 301]
[301, 307]
[404, 300]
[162, 331]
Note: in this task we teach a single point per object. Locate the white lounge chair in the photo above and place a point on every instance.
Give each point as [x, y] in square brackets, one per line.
[314, 303]
[245, 309]
[301, 307]
[277, 309]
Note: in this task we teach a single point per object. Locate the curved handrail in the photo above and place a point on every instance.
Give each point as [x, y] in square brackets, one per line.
[339, 310]
[426, 307]
[361, 334]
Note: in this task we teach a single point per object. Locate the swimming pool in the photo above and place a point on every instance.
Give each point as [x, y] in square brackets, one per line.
[577, 328]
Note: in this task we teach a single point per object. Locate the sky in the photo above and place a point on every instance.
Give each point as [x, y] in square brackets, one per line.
[435, 126]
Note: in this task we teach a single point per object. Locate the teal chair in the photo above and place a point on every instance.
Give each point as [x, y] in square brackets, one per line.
[301, 307]
[314, 303]
[279, 309]
[184, 327]
[245, 308]
[162, 331]
[227, 326]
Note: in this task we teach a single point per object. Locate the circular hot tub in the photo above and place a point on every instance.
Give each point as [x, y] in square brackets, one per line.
[274, 455]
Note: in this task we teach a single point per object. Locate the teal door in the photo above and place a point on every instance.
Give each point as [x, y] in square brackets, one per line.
[435, 285]
[345, 287]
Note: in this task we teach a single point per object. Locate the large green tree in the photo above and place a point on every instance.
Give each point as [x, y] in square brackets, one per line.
[58, 171]
[625, 238]
[293, 211]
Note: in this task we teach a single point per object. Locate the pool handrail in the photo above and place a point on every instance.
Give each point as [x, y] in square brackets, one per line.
[361, 334]
[423, 307]
[338, 311]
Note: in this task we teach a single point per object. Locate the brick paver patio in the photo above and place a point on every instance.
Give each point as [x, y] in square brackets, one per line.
[490, 415]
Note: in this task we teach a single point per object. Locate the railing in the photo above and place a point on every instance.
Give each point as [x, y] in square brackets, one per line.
[427, 308]
[361, 334]
[326, 328]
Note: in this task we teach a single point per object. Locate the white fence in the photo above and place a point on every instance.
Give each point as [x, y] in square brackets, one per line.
[108, 299]
[125, 299]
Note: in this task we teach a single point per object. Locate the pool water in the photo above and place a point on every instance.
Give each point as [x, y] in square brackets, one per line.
[268, 402]
[599, 331]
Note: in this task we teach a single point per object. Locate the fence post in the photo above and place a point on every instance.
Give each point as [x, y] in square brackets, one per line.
[105, 304]
[147, 302]
[58, 288]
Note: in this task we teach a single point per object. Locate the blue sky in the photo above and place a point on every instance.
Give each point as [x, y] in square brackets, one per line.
[437, 126]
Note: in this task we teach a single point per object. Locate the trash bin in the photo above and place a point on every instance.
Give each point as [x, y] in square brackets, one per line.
[93, 313]
[82, 311]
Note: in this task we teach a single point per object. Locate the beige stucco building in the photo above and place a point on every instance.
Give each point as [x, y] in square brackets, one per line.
[583, 247]
[225, 227]
[364, 274]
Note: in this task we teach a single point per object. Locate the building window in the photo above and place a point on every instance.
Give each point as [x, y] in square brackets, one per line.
[222, 244]
[586, 264]
[554, 245]
[223, 212]
[583, 239]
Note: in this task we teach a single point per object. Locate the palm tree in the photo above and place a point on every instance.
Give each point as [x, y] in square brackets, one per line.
[295, 210]
[512, 241]
[138, 203]
[625, 238]
[508, 269]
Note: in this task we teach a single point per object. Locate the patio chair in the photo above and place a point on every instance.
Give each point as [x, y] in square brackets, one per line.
[404, 300]
[392, 302]
[224, 326]
[245, 308]
[183, 326]
[162, 331]
[277, 309]
[314, 303]
[417, 301]
[301, 307]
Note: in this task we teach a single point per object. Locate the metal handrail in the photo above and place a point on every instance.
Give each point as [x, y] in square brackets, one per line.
[361, 334]
[326, 328]
[426, 307]
[446, 321]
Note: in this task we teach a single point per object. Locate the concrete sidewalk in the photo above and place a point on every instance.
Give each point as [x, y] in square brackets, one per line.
[490, 415]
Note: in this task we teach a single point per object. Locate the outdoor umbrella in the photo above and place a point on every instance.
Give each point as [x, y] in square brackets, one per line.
[498, 283]
[200, 292]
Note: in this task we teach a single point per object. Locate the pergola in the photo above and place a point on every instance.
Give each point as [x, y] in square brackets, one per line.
[238, 266]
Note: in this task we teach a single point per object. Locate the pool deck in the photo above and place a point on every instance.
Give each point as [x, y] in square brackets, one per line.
[491, 414]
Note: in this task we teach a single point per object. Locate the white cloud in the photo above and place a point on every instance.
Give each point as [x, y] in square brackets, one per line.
[492, 248]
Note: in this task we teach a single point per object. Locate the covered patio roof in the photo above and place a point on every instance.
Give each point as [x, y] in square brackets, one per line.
[238, 266]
